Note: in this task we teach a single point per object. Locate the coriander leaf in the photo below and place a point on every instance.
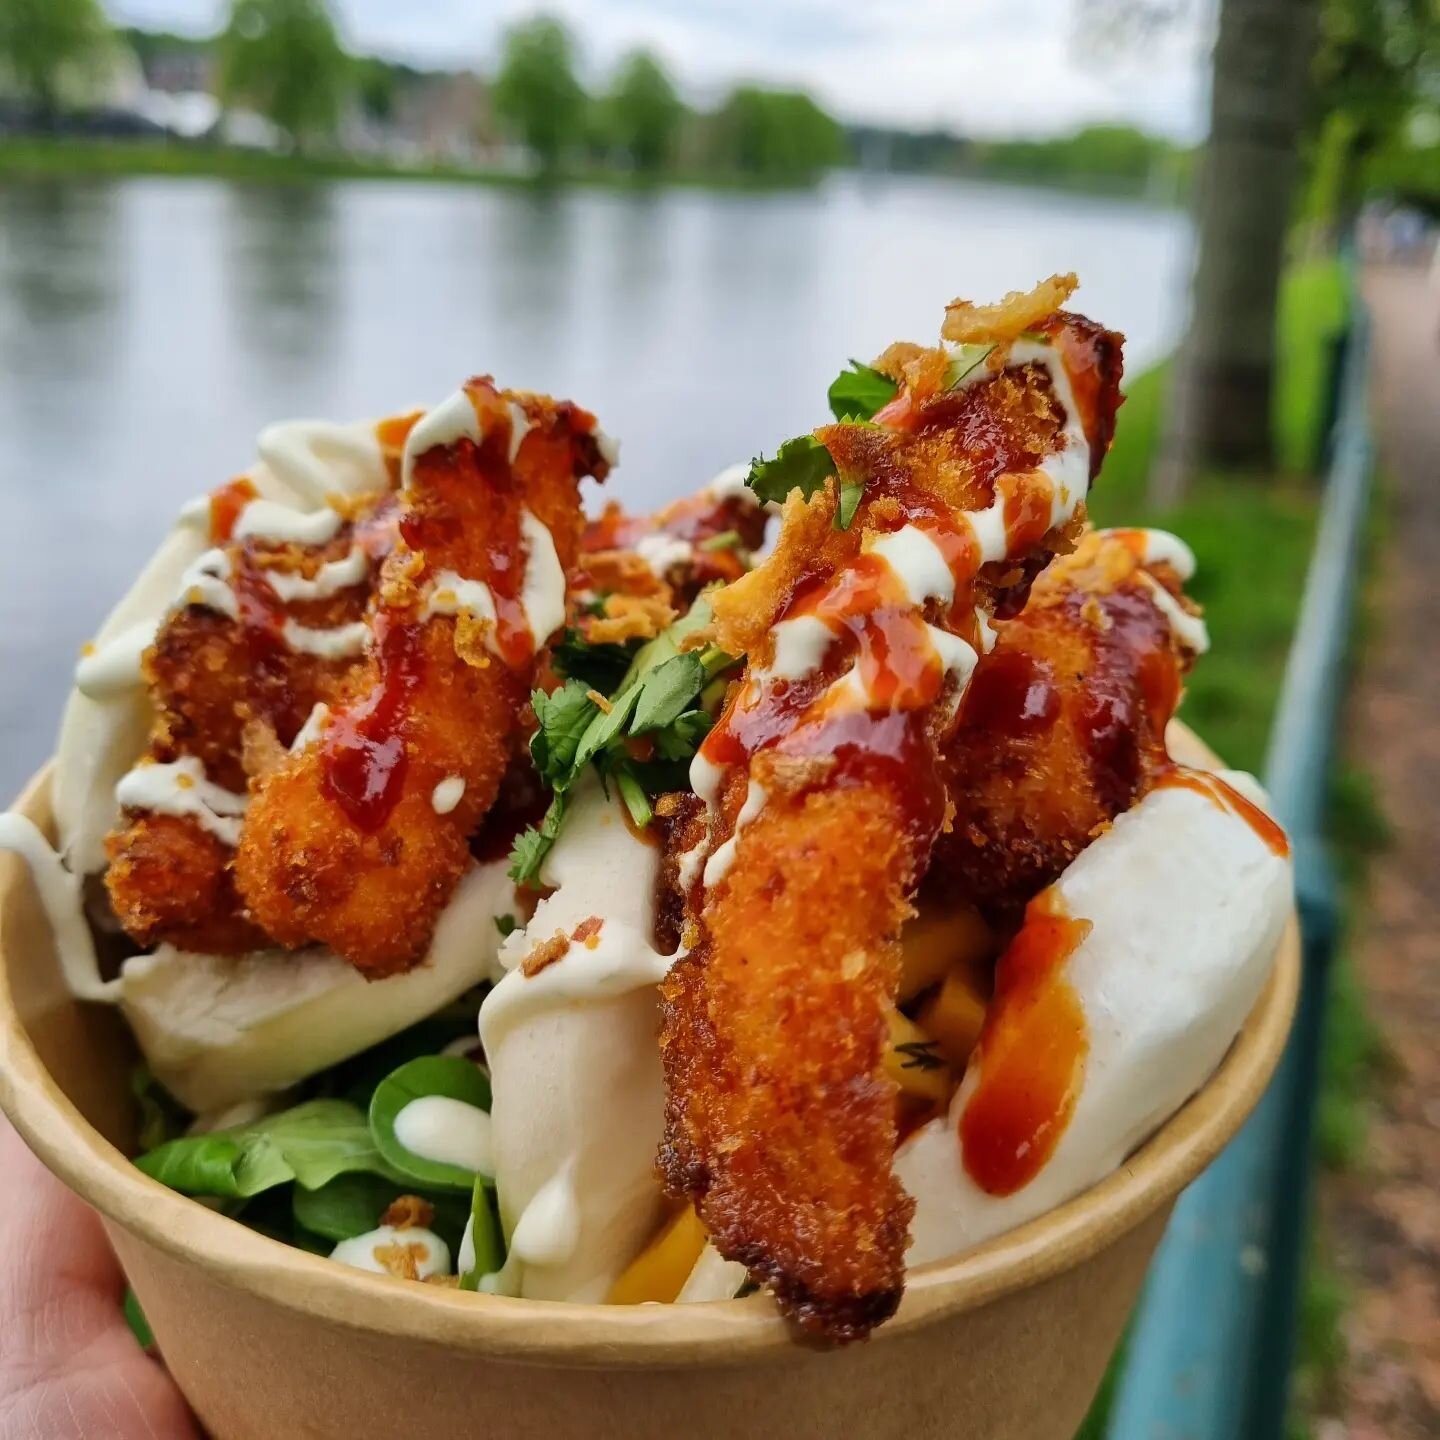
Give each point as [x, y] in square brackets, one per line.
[802, 464]
[964, 360]
[667, 643]
[667, 691]
[533, 844]
[681, 738]
[850, 493]
[600, 666]
[563, 718]
[857, 393]
[606, 728]
[632, 792]
[505, 924]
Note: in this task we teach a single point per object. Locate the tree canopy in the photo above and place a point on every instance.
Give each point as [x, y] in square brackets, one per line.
[537, 95]
[775, 134]
[283, 59]
[40, 38]
[644, 114]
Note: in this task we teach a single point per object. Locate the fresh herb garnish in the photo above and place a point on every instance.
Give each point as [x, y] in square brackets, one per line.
[802, 464]
[532, 845]
[964, 361]
[857, 393]
[505, 924]
[600, 666]
[725, 540]
[657, 702]
[920, 1055]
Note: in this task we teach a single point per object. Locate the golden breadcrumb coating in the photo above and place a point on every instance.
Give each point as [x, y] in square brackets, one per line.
[781, 1122]
[225, 689]
[343, 844]
[1062, 728]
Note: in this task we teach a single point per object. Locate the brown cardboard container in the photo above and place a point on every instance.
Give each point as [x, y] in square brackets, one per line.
[270, 1343]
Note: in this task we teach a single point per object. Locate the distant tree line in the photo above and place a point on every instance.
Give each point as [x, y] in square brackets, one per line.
[640, 121]
[1105, 156]
[284, 60]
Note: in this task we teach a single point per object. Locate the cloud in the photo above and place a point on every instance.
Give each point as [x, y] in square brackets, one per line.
[983, 67]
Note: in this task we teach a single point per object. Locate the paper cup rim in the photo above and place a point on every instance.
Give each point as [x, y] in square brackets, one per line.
[546, 1332]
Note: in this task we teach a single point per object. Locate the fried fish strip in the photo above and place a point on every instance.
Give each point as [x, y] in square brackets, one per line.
[1063, 726]
[349, 842]
[826, 798]
[214, 677]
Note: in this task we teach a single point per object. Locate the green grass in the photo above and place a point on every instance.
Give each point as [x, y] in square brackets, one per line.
[35, 158]
[1252, 540]
[1251, 537]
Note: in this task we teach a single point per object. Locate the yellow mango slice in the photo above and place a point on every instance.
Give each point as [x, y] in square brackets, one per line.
[913, 1060]
[953, 1017]
[938, 941]
[664, 1265]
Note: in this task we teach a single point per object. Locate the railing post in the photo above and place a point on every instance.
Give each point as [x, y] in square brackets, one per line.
[1212, 1344]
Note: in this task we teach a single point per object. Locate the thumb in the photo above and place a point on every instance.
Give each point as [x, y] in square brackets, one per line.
[69, 1366]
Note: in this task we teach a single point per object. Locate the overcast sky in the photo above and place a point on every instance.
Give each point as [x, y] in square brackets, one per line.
[998, 67]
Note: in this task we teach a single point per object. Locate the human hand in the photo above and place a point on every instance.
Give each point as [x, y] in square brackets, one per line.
[69, 1367]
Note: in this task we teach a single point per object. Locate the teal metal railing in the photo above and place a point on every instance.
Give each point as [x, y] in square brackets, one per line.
[1212, 1342]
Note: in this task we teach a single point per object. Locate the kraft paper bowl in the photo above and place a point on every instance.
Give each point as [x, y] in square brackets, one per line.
[1008, 1340]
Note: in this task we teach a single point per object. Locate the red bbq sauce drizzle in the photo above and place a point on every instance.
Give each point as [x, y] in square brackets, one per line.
[1226, 797]
[1011, 693]
[877, 735]
[1031, 1054]
[504, 555]
[362, 753]
[226, 505]
[884, 731]
[1130, 693]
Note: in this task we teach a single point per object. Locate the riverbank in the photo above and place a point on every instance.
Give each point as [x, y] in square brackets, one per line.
[25, 157]
[1252, 538]
[32, 157]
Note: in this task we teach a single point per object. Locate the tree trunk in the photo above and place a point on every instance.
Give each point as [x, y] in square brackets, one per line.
[1219, 411]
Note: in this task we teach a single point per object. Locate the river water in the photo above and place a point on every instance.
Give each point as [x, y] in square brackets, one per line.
[149, 328]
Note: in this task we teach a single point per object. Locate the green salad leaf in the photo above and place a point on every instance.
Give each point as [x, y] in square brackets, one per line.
[352, 1205]
[310, 1144]
[857, 393]
[446, 1075]
[485, 1237]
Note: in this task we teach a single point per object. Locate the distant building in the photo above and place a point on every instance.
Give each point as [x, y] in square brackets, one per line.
[445, 118]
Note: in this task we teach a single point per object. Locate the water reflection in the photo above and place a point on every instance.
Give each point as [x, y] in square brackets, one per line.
[281, 246]
[62, 263]
[149, 328]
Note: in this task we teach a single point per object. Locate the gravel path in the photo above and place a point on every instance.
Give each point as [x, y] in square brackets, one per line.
[1385, 1220]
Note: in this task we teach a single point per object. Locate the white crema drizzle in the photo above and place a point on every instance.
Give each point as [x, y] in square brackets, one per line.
[919, 565]
[180, 788]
